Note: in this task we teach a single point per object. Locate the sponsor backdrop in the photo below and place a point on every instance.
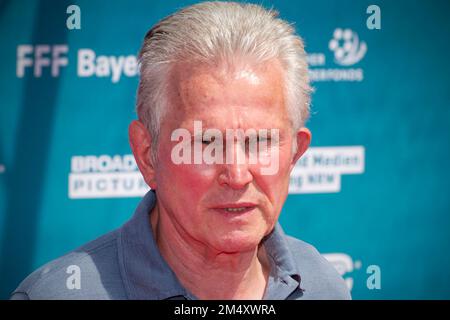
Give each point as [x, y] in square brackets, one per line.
[371, 194]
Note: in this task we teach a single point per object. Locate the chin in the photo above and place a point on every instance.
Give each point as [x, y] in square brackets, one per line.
[238, 241]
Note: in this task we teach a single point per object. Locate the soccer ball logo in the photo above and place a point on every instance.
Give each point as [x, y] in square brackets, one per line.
[346, 47]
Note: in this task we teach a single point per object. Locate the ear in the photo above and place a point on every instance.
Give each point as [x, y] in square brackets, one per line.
[303, 141]
[141, 145]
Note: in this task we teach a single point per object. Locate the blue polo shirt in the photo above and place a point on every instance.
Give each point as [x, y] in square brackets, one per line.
[126, 264]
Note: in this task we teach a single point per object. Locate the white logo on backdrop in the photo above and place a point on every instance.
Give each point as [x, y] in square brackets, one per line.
[46, 59]
[319, 170]
[347, 51]
[105, 176]
[346, 47]
[343, 264]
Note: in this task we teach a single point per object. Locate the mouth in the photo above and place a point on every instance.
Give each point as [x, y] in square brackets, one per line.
[235, 208]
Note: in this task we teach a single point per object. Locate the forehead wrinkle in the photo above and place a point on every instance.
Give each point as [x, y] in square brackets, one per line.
[196, 88]
[199, 90]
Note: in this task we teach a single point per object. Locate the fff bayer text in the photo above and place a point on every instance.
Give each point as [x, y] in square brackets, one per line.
[43, 59]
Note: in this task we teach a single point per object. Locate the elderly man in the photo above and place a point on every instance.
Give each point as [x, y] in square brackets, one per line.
[222, 102]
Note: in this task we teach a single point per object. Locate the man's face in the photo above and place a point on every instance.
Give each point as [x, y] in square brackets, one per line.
[196, 196]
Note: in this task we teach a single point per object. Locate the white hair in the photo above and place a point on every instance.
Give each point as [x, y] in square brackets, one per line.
[214, 33]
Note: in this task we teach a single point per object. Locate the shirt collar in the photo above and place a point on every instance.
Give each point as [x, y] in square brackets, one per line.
[147, 275]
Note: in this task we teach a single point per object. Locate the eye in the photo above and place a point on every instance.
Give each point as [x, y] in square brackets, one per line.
[201, 140]
[263, 138]
[206, 142]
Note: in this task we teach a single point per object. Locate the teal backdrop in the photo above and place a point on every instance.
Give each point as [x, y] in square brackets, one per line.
[372, 194]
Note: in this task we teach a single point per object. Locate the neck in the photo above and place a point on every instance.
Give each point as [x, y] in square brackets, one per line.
[208, 273]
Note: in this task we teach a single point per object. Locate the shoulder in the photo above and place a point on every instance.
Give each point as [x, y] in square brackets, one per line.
[89, 272]
[319, 279]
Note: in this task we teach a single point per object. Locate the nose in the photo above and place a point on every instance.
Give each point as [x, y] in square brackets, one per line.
[236, 176]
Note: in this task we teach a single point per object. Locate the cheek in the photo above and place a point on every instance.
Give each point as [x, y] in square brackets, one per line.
[276, 185]
[194, 180]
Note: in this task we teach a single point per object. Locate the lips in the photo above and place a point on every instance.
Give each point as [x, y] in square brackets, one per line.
[235, 208]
